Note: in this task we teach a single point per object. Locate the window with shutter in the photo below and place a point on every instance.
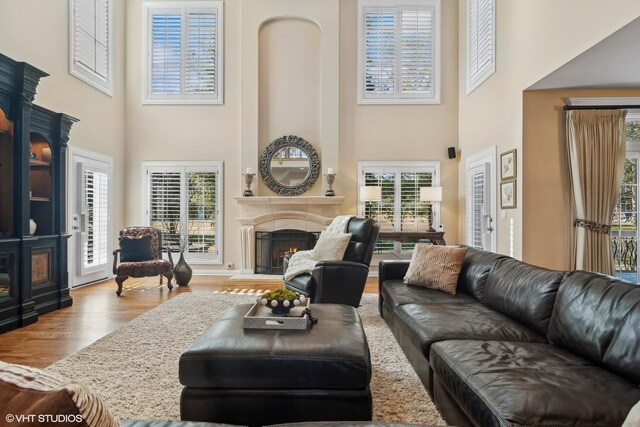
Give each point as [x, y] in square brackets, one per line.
[183, 201]
[91, 42]
[96, 201]
[400, 208]
[399, 47]
[184, 61]
[481, 42]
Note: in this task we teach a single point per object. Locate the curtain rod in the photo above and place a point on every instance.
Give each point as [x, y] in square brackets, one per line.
[601, 107]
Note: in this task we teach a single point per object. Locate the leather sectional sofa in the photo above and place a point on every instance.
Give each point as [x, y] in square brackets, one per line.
[519, 344]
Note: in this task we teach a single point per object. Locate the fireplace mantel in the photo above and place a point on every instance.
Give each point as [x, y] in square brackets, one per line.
[270, 213]
[284, 200]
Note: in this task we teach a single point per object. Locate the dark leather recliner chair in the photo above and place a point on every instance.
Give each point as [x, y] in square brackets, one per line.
[341, 282]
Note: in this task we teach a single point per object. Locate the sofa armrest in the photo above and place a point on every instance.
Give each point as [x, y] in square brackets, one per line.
[390, 270]
[339, 282]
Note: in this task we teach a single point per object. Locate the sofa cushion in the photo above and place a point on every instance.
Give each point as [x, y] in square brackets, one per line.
[430, 323]
[330, 246]
[29, 391]
[396, 293]
[524, 292]
[509, 383]
[435, 267]
[598, 317]
[475, 269]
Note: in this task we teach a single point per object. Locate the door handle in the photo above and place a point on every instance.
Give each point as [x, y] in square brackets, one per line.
[489, 223]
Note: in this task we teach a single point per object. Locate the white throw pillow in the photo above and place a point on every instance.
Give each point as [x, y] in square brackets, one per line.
[633, 419]
[330, 246]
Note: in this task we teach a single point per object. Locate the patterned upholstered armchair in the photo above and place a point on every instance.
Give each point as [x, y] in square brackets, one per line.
[146, 262]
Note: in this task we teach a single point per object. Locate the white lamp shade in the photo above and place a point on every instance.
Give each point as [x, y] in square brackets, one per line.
[371, 193]
[430, 194]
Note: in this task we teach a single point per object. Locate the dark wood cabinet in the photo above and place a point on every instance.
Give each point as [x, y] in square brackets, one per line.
[33, 235]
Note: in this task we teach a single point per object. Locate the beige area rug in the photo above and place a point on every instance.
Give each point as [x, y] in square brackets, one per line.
[135, 369]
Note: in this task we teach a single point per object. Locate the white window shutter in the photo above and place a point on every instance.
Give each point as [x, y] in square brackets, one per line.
[202, 211]
[400, 208]
[481, 27]
[398, 55]
[164, 205]
[201, 53]
[166, 56]
[91, 42]
[184, 201]
[417, 51]
[96, 197]
[380, 51]
[184, 61]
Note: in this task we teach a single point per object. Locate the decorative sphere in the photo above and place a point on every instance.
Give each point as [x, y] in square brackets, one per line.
[263, 301]
[274, 303]
[286, 303]
[296, 302]
[302, 299]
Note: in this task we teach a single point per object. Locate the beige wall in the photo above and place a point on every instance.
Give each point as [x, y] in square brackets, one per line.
[399, 132]
[184, 132]
[226, 132]
[37, 32]
[535, 37]
[547, 207]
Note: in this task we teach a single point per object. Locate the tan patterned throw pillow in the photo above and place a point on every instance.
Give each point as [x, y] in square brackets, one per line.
[435, 267]
[32, 397]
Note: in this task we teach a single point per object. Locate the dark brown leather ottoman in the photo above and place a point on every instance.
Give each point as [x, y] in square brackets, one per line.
[259, 376]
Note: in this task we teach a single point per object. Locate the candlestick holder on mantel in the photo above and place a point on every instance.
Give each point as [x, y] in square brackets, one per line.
[248, 179]
[330, 178]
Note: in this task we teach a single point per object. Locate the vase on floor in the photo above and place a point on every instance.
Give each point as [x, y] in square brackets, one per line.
[182, 272]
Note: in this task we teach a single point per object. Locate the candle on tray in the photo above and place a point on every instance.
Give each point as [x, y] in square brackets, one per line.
[249, 171]
[329, 171]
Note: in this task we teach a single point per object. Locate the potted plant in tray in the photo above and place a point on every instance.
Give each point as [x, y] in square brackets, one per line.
[281, 300]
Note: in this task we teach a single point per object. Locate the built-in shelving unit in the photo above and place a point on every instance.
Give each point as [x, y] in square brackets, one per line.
[33, 147]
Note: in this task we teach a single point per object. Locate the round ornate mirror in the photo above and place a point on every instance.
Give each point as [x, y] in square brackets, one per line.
[289, 165]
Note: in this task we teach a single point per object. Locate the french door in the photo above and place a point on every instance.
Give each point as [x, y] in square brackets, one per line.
[480, 200]
[90, 217]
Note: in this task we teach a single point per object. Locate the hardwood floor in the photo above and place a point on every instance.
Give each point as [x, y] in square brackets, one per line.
[97, 311]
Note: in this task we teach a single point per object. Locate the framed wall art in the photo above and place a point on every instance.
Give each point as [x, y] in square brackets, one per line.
[508, 194]
[508, 165]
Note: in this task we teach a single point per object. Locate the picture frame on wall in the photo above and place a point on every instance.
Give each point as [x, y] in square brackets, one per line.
[508, 194]
[509, 165]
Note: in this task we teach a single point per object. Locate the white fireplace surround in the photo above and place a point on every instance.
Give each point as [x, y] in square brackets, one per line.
[271, 213]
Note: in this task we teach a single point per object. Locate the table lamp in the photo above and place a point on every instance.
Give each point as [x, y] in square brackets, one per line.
[370, 193]
[430, 195]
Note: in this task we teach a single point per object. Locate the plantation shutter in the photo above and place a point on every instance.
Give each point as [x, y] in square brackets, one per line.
[164, 205]
[381, 51]
[201, 53]
[481, 35]
[398, 51]
[166, 53]
[91, 36]
[96, 197]
[203, 213]
[400, 208]
[477, 189]
[417, 51]
[184, 202]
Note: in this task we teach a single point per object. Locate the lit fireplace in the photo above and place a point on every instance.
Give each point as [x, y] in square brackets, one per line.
[273, 246]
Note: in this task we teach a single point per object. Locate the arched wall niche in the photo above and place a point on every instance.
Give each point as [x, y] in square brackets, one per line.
[265, 26]
[290, 83]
